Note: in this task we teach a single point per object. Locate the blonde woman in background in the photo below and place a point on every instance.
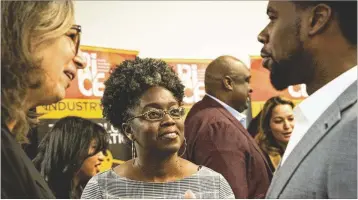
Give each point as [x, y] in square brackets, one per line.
[275, 128]
[39, 59]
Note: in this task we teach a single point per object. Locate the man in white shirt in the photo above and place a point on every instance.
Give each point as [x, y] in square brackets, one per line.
[215, 135]
[315, 43]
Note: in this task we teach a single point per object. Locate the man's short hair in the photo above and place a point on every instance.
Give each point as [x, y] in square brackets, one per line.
[346, 12]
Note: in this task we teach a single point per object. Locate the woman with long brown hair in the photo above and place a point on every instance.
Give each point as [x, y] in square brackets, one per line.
[275, 128]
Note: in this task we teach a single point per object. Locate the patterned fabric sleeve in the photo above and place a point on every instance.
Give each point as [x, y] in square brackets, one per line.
[92, 190]
[225, 189]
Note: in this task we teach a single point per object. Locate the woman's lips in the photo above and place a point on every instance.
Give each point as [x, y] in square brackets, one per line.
[287, 135]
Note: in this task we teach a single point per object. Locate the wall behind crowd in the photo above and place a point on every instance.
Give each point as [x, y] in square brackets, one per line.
[177, 29]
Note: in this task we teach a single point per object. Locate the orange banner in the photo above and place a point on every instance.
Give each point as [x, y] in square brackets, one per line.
[191, 72]
[89, 82]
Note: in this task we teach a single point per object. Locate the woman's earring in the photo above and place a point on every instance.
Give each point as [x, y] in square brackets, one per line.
[133, 150]
[184, 148]
[128, 131]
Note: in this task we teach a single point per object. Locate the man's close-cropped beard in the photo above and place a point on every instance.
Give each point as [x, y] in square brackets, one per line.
[296, 69]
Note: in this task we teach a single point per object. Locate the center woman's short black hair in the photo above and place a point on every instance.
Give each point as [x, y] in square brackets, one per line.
[130, 80]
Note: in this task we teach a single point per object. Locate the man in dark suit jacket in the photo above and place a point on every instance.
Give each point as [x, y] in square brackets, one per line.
[216, 138]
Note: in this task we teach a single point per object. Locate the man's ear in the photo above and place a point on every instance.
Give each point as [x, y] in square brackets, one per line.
[227, 82]
[128, 131]
[319, 19]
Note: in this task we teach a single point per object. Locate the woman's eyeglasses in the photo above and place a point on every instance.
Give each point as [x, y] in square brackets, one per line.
[76, 37]
[158, 114]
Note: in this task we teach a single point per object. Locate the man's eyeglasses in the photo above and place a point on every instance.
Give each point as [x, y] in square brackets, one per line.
[158, 114]
[76, 37]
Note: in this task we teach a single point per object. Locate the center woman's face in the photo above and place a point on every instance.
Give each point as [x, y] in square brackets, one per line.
[161, 136]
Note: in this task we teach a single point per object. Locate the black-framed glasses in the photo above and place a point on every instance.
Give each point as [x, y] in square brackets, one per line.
[158, 114]
[77, 37]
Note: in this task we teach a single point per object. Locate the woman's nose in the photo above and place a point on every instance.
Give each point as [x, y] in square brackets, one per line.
[80, 60]
[167, 120]
[101, 156]
[286, 125]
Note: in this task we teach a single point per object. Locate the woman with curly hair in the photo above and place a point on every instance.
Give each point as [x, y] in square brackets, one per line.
[275, 128]
[143, 98]
[70, 154]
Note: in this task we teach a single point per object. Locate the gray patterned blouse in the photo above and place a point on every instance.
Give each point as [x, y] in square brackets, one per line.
[205, 184]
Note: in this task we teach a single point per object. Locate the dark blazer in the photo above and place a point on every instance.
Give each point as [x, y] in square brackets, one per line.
[19, 177]
[216, 139]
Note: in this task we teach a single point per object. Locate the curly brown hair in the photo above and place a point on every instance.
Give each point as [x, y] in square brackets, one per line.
[130, 80]
[24, 26]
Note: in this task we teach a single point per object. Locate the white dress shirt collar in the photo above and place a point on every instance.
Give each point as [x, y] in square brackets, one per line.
[310, 109]
[239, 116]
[319, 101]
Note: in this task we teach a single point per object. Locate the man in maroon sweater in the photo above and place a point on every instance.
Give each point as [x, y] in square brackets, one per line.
[216, 138]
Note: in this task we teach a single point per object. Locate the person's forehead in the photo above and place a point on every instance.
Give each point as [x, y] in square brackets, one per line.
[240, 69]
[283, 7]
[157, 95]
[282, 109]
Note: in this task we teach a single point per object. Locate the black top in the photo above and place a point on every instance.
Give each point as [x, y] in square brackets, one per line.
[19, 177]
[269, 161]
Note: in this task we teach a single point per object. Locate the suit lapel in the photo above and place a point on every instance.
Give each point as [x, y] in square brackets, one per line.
[315, 133]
